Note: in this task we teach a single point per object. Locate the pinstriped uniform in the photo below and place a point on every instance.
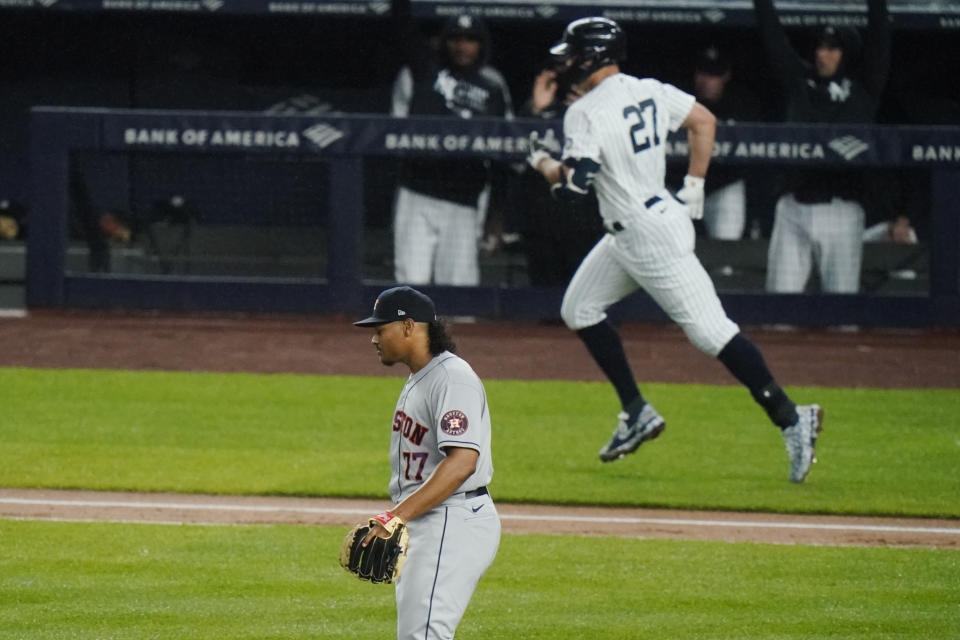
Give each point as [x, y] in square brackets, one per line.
[621, 125]
[829, 232]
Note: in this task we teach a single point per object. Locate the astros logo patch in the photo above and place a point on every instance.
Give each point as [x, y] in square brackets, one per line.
[453, 422]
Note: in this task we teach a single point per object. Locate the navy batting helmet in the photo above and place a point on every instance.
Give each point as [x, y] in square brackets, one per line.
[588, 44]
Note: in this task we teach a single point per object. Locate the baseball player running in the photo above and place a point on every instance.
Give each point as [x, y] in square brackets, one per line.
[440, 465]
[614, 143]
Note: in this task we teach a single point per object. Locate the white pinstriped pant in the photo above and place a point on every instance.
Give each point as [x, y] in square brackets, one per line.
[434, 240]
[725, 211]
[830, 233]
[653, 252]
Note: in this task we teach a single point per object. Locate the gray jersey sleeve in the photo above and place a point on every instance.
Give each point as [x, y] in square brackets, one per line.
[461, 410]
[464, 419]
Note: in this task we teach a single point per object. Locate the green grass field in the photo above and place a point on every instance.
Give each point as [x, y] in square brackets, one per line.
[130, 581]
[882, 452]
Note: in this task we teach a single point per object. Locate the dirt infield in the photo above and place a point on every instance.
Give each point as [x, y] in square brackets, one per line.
[517, 518]
[881, 359]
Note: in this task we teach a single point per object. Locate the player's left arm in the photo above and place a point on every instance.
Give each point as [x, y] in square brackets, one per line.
[701, 126]
[453, 470]
[876, 50]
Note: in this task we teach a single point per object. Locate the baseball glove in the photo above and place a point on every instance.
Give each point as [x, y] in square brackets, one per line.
[382, 559]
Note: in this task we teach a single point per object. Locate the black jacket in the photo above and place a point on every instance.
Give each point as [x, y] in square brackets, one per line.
[441, 88]
[851, 95]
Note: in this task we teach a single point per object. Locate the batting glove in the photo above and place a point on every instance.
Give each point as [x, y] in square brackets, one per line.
[691, 194]
[541, 148]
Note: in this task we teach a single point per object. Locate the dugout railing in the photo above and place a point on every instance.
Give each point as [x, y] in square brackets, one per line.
[341, 144]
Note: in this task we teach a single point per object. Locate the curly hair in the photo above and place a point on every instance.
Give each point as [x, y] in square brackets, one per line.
[440, 339]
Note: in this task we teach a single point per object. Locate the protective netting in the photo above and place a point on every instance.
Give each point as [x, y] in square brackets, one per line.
[210, 214]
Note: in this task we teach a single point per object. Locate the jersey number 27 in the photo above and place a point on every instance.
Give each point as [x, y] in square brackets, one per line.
[643, 131]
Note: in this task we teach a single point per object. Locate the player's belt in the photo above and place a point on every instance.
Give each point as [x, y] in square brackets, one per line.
[617, 226]
[482, 491]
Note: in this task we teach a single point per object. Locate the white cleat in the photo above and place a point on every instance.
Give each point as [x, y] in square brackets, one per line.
[628, 436]
[801, 438]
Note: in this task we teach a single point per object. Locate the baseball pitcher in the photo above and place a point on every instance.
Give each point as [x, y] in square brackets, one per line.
[441, 464]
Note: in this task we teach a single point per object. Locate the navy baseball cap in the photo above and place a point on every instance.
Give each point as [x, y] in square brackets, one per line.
[712, 61]
[400, 303]
[830, 36]
[465, 25]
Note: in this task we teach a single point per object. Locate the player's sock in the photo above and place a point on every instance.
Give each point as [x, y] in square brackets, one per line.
[604, 344]
[780, 408]
[744, 360]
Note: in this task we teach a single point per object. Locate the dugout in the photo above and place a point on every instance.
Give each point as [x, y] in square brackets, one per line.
[261, 226]
[286, 227]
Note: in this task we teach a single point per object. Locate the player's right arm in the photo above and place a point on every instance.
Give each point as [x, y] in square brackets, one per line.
[550, 168]
[458, 465]
[571, 178]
